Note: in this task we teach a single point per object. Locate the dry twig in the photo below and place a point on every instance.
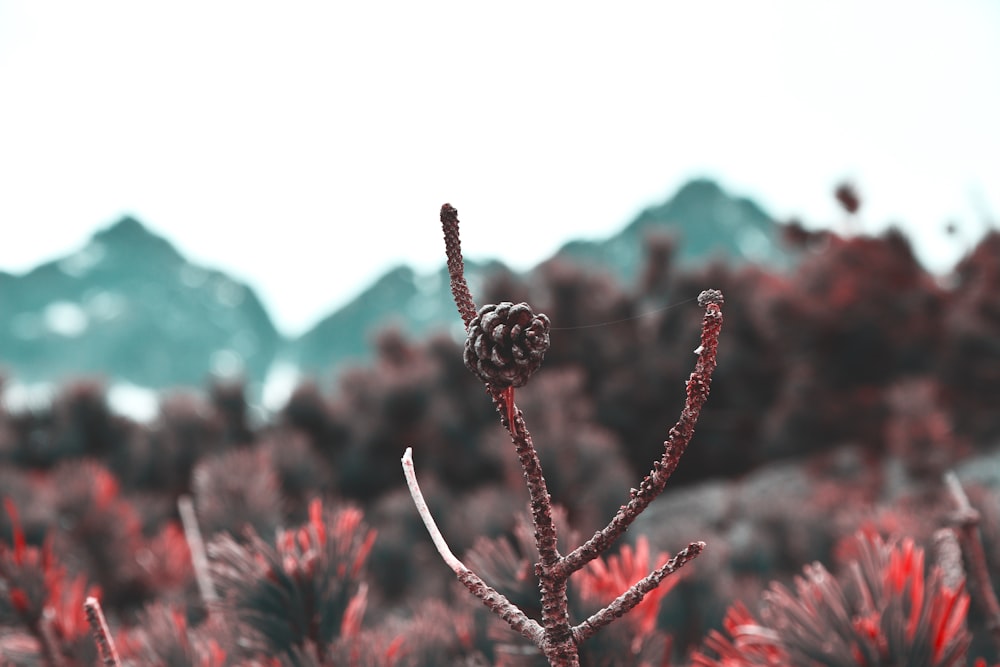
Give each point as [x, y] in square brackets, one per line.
[199, 559]
[102, 635]
[966, 519]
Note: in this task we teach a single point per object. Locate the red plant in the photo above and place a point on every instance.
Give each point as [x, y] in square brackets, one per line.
[163, 638]
[885, 610]
[745, 643]
[306, 589]
[38, 594]
[605, 579]
[102, 530]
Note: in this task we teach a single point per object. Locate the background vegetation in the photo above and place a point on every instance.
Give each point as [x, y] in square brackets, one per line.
[846, 387]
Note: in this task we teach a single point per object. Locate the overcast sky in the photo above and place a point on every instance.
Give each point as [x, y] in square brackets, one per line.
[307, 146]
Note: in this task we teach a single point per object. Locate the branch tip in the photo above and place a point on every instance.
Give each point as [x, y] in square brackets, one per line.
[456, 265]
[710, 296]
[102, 635]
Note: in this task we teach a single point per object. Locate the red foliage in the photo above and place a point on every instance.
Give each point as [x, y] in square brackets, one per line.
[606, 579]
[37, 594]
[163, 638]
[306, 589]
[868, 374]
[885, 610]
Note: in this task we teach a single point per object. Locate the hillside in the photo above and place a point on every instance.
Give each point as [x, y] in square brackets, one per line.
[128, 306]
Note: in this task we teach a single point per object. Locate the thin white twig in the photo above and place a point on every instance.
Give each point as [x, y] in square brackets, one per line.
[418, 499]
[196, 544]
[957, 492]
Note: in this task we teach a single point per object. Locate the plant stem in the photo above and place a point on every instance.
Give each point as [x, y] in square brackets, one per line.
[196, 545]
[102, 635]
[966, 519]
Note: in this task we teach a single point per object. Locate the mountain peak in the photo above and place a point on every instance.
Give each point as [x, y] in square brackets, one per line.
[698, 189]
[126, 227]
[129, 306]
[708, 222]
[129, 234]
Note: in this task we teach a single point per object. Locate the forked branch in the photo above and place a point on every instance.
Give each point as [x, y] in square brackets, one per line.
[674, 446]
[504, 345]
[625, 602]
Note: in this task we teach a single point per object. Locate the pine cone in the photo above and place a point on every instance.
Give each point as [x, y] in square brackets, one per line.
[506, 343]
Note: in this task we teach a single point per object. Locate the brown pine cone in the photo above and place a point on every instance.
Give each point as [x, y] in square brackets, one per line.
[506, 343]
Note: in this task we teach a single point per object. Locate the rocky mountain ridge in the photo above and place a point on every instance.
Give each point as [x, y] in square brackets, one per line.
[129, 307]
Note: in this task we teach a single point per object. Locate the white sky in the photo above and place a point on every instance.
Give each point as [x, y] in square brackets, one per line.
[307, 146]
